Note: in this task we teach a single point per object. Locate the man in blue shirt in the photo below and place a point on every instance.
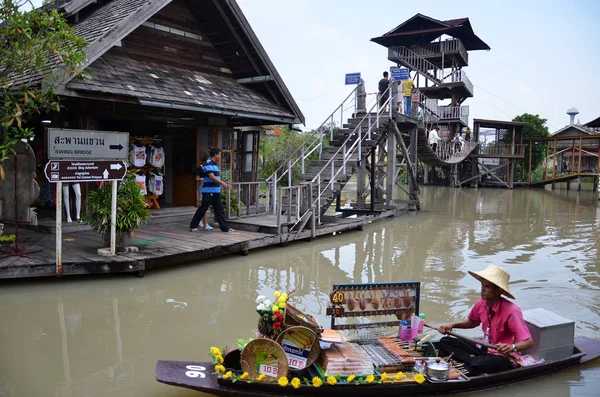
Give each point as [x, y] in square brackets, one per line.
[211, 193]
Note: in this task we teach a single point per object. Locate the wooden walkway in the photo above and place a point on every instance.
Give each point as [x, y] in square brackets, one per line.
[159, 245]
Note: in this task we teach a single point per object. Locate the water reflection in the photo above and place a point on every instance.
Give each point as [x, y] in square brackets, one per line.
[100, 336]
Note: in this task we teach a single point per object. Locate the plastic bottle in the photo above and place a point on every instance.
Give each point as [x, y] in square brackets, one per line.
[421, 322]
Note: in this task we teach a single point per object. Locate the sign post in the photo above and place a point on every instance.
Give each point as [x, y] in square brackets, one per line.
[399, 74]
[85, 171]
[352, 78]
[59, 228]
[86, 145]
[59, 171]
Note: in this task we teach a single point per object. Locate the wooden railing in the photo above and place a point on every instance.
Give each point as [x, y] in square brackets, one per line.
[446, 46]
[454, 112]
[502, 149]
[459, 75]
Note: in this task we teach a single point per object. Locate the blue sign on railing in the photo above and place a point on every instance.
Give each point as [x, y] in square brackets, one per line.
[399, 73]
[352, 78]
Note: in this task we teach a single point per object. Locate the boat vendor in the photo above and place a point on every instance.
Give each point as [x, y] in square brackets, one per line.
[502, 323]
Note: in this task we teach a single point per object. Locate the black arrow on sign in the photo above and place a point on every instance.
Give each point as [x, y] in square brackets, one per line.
[116, 147]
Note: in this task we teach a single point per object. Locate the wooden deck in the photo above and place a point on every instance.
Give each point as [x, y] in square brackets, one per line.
[159, 245]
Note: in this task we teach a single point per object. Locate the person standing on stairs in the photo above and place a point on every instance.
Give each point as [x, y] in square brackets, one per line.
[211, 193]
[433, 139]
[382, 95]
[407, 87]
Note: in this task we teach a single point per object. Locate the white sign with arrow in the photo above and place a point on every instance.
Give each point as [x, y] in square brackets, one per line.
[85, 144]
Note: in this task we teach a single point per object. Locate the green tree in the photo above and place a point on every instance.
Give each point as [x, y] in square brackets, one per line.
[536, 128]
[38, 49]
[275, 151]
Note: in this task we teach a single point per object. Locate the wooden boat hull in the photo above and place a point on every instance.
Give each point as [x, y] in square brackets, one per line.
[199, 377]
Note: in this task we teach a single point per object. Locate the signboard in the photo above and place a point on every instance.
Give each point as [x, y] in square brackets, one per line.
[490, 161]
[399, 73]
[352, 78]
[85, 171]
[85, 144]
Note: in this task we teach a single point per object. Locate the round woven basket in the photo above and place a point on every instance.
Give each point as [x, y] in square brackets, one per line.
[293, 317]
[267, 352]
[302, 338]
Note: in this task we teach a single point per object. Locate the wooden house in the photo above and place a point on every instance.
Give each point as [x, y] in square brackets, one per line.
[182, 74]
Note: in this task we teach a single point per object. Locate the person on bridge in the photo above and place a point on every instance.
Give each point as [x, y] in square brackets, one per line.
[502, 323]
[383, 92]
[458, 142]
[407, 87]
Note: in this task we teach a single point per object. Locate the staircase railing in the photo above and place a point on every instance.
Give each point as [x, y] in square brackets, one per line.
[448, 152]
[353, 145]
[415, 62]
[314, 141]
[457, 76]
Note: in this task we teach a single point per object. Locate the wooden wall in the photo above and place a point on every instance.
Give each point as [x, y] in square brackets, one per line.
[152, 44]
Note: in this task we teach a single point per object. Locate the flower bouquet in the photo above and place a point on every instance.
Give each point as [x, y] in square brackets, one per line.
[270, 323]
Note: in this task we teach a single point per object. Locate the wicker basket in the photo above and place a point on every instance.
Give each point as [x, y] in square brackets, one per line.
[302, 338]
[293, 317]
[264, 351]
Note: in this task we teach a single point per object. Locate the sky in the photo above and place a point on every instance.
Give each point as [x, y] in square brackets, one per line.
[544, 57]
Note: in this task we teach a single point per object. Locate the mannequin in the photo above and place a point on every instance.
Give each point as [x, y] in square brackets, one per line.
[77, 189]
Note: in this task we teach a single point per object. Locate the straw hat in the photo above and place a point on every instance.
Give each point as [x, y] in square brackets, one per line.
[495, 275]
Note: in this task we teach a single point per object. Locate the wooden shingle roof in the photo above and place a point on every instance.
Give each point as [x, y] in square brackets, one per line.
[104, 23]
[421, 29]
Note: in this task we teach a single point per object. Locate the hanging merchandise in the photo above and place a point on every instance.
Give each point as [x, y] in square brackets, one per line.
[155, 183]
[157, 156]
[137, 155]
[140, 179]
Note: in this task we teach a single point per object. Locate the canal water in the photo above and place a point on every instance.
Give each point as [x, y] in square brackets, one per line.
[103, 336]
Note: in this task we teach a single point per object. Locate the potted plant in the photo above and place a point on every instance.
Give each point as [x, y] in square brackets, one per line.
[132, 211]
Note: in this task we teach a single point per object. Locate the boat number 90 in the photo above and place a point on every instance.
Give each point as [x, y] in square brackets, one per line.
[195, 371]
[337, 297]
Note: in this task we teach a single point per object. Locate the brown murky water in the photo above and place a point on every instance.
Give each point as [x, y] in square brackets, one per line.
[103, 336]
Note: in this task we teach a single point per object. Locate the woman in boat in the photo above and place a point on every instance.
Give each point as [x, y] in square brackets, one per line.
[502, 323]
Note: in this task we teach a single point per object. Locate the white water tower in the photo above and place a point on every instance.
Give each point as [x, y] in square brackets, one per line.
[572, 113]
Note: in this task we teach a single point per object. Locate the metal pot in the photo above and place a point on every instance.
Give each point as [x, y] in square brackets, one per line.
[437, 370]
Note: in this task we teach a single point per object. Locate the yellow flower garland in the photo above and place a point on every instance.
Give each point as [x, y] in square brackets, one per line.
[244, 376]
[219, 368]
[419, 378]
[317, 382]
[283, 381]
[331, 380]
[228, 375]
[260, 377]
[296, 383]
[350, 378]
[399, 376]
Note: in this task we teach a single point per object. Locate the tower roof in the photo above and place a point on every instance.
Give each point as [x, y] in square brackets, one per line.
[421, 29]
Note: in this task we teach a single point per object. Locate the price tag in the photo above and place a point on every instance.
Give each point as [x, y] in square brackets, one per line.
[337, 298]
[296, 362]
[268, 370]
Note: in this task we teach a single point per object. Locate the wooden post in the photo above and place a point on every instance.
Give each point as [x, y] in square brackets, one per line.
[475, 162]
[392, 161]
[579, 165]
[554, 164]
[546, 164]
[572, 156]
[530, 151]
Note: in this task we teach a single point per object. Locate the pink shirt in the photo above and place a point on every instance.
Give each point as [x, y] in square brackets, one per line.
[507, 324]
